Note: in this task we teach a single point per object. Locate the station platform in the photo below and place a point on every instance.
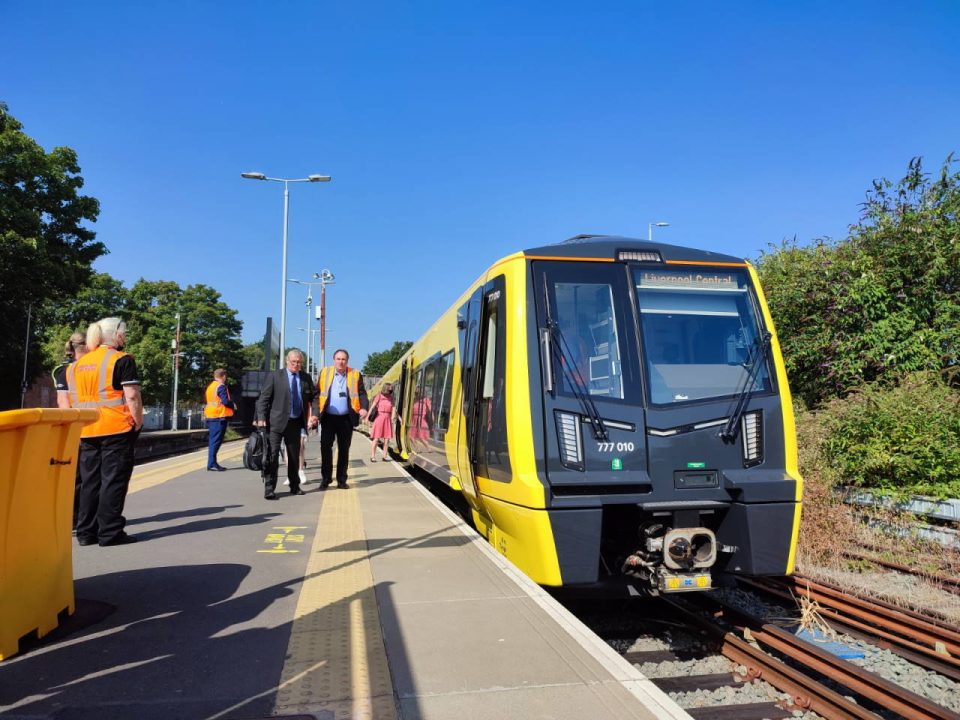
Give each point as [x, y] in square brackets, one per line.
[373, 601]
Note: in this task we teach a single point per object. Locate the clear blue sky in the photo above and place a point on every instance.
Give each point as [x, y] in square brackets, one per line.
[457, 133]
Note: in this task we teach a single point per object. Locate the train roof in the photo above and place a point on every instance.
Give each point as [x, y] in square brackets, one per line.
[606, 246]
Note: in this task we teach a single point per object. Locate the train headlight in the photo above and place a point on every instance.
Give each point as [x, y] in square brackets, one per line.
[752, 436]
[571, 442]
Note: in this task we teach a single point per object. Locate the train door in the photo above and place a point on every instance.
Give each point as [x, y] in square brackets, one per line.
[468, 323]
[490, 456]
[400, 398]
[592, 353]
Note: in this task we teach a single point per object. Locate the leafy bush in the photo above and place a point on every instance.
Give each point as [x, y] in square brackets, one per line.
[899, 441]
[879, 304]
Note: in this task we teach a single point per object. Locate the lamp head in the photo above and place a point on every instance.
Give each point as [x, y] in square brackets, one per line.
[318, 178]
[253, 176]
[661, 224]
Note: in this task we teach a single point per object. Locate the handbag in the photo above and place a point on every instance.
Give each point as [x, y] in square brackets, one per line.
[371, 416]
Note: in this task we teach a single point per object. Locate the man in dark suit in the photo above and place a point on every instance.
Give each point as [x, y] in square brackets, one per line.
[286, 401]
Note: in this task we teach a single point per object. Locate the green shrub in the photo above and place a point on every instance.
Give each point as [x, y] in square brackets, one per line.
[900, 441]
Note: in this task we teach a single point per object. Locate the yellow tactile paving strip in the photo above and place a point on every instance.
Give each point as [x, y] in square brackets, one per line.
[336, 660]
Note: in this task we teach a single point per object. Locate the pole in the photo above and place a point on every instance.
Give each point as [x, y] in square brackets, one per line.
[283, 274]
[26, 353]
[323, 325]
[650, 232]
[307, 329]
[176, 374]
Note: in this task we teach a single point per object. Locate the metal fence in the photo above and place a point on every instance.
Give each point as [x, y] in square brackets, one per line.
[159, 417]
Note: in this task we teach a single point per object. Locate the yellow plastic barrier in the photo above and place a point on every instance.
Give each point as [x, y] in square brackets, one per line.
[39, 448]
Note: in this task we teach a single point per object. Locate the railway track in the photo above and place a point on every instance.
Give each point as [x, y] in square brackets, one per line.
[924, 641]
[947, 583]
[743, 667]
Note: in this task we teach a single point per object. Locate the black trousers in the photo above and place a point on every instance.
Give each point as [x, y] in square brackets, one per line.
[291, 438]
[339, 427]
[106, 464]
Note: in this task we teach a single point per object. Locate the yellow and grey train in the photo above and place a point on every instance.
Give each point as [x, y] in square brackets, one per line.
[612, 410]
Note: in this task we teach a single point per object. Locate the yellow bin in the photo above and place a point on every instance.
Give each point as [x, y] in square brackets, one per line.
[39, 448]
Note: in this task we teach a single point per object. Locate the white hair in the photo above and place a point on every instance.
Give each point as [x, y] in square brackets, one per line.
[105, 332]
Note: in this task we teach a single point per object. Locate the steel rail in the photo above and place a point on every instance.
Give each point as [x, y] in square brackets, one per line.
[805, 692]
[950, 585]
[910, 626]
[868, 685]
[926, 656]
[929, 659]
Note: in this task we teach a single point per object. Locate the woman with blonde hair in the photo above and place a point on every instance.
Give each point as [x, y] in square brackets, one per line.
[106, 379]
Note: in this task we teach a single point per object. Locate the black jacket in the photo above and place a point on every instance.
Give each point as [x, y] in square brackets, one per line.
[273, 405]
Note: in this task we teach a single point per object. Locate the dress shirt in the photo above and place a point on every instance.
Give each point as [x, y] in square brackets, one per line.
[339, 403]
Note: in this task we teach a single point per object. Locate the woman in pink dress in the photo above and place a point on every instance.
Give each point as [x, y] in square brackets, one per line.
[382, 429]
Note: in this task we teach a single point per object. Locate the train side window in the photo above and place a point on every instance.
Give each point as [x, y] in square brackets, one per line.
[444, 384]
[414, 418]
[491, 452]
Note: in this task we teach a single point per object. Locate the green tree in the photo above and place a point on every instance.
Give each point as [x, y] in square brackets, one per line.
[253, 356]
[46, 251]
[209, 337]
[879, 304]
[379, 362]
[102, 296]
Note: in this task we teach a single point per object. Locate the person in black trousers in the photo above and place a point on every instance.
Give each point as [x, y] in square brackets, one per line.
[342, 405]
[286, 402]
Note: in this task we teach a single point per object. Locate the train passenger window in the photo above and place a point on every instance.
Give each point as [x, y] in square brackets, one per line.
[700, 331]
[490, 452]
[444, 387]
[587, 318]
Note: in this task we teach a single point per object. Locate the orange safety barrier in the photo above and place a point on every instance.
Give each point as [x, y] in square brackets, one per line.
[39, 449]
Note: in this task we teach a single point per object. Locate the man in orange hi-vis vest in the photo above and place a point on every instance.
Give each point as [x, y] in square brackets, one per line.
[343, 403]
[106, 378]
[218, 408]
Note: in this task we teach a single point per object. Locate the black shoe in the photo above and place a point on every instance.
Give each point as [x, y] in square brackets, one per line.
[324, 484]
[86, 541]
[342, 484]
[298, 491]
[216, 469]
[270, 495]
[221, 468]
[122, 539]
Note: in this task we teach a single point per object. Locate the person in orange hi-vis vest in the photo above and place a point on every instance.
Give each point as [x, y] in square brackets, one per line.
[342, 402]
[219, 407]
[106, 379]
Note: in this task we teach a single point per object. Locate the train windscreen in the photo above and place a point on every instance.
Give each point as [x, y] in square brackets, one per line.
[700, 332]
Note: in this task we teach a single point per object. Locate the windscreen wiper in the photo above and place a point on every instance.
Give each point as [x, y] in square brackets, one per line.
[580, 391]
[730, 430]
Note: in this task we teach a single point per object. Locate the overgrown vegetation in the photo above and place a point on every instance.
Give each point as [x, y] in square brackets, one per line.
[870, 330]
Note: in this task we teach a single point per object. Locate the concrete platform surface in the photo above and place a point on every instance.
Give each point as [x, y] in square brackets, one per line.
[369, 602]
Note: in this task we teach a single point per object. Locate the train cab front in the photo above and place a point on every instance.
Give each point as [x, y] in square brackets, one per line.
[668, 443]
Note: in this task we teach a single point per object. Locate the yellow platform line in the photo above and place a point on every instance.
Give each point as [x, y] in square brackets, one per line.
[149, 477]
[336, 621]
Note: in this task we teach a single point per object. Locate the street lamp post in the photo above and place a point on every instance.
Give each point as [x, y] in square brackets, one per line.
[651, 226]
[326, 278]
[286, 214]
[176, 373]
[309, 304]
